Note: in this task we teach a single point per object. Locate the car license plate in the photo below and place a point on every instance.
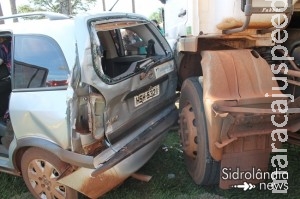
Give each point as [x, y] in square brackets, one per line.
[146, 96]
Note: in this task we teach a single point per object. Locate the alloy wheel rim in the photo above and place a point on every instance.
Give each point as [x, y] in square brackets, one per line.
[43, 179]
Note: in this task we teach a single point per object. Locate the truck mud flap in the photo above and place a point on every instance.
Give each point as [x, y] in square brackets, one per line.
[247, 143]
[246, 155]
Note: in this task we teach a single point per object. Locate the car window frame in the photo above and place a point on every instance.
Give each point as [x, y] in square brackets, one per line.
[96, 41]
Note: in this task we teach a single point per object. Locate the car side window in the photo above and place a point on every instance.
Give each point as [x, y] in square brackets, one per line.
[124, 49]
[120, 48]
[38, 62]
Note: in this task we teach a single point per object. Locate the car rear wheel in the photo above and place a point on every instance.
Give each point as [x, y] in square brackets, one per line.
[193, 132]
[40, 170]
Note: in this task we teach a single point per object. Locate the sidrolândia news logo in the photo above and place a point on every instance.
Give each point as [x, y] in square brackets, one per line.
[275, 181]
[246, 186]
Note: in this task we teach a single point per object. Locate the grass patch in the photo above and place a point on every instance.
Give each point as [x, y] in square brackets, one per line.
[169, 180]
[11, 186]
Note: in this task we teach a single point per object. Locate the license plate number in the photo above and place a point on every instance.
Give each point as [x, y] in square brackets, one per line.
[146, 96]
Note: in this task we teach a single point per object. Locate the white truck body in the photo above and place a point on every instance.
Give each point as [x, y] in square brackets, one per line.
[193, 18]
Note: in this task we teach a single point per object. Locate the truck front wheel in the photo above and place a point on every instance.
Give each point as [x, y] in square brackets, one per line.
[193, 133]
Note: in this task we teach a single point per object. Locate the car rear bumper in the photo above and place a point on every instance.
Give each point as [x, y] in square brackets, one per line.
[107, 175]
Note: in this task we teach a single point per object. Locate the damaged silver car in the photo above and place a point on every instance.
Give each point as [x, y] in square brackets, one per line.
[91, 99]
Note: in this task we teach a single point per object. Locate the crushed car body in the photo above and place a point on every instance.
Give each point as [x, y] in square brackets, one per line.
[91, 100]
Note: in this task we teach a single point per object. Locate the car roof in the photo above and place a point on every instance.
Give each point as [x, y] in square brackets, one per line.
[59, 27]
[55, 22]
[40, 26]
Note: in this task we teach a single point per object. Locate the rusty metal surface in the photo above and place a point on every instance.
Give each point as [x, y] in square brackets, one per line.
[237, 87]
[245, 155]
[254, 110]
[94, 186]
[244, 125]
[188, 131]
[242, 78]
[93, 148]
[241, 121]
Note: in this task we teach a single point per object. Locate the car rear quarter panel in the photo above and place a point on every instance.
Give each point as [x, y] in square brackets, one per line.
[41, 114]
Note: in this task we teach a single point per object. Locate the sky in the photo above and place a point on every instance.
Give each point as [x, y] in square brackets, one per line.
[144, 7]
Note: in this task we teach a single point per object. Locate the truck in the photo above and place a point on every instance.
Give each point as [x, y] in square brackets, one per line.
[238, 71]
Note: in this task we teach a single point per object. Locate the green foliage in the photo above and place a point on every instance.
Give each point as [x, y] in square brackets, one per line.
[46, 5]
[54, 5]
[25, 9]
[83, 5]
[157, 15]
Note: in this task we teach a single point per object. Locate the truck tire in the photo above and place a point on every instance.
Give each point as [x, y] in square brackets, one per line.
[193, 133]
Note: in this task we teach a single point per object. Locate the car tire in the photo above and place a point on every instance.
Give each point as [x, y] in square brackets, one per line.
[193, 133]
[40, 169]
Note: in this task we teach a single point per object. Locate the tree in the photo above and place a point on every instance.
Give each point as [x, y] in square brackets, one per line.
[157, 15]
[65, 7]
[25, 8]
[60, 6]
[83, 5]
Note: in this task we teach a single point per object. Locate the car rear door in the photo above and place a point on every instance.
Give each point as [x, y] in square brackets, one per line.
[136, 79]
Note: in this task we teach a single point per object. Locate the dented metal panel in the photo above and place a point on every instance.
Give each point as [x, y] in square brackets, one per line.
[238, 78]
[96, 186]
[41, 117]
[120, 114]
